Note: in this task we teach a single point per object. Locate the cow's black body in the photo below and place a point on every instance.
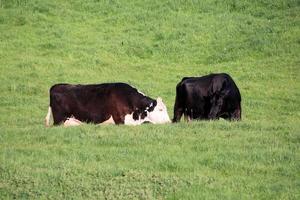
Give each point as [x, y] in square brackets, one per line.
[97, 103]
[207, 97]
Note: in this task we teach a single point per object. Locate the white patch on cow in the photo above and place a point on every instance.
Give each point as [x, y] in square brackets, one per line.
[109, 121]
[48, 117]
[72, 121]
[160, 114]
[130, 121]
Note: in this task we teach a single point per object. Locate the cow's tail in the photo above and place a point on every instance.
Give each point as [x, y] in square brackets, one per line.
[48, 117]
[179, 106]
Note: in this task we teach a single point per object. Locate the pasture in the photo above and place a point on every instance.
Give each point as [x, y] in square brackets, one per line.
[150, 45]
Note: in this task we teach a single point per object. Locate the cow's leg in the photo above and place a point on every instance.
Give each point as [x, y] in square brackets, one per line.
[178, 111]
[58, 119]
[188, 114]
[59, 107]
[118, 119]
[187, 118]
[59, 116]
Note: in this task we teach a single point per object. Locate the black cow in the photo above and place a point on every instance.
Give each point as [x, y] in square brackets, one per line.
[116, 103]
[209, 97]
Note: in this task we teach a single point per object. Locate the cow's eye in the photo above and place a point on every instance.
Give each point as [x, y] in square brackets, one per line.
[160, 109]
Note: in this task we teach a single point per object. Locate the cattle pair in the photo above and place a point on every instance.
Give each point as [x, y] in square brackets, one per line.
[209, 97]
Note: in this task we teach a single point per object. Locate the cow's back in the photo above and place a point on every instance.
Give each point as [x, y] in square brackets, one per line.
[93, 93]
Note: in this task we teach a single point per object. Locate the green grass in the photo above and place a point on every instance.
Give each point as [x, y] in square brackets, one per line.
[151, 45]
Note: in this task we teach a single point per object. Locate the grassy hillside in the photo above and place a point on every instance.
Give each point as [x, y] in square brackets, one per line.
[151, 45]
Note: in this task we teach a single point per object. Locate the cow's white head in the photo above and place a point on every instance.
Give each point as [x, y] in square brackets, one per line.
[159, 114]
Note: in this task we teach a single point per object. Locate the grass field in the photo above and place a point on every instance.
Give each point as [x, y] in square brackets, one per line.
[151, 45]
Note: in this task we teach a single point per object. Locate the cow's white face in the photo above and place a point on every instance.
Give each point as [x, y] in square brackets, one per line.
[159, 115]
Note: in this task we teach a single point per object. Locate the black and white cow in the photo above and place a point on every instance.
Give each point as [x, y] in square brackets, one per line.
[107, 103]
[208, 97]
